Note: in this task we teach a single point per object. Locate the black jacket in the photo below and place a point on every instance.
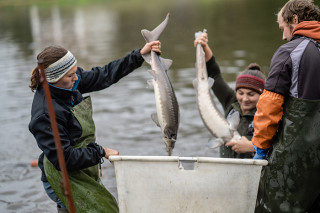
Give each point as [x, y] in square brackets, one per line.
[69, 128]
[294, 69]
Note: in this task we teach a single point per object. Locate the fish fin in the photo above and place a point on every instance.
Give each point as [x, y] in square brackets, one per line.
[147, 35]
[236, 136]
[233, 119]
[154, 117]
[215, 143]
[150, 82]
[156, 32]
[199, 33]
[166, 63]
[210, 82]
[147, 58]
[153, 74]
[195, 84]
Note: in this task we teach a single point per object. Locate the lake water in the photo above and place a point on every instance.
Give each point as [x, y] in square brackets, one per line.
[240, 32]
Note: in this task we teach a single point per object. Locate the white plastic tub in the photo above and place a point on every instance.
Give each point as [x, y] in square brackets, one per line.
[151, 184]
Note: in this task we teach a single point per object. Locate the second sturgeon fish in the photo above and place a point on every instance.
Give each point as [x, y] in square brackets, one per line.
[167, 116]
[221, 129]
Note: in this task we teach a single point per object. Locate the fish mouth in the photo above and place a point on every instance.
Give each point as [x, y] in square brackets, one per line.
[170, 142]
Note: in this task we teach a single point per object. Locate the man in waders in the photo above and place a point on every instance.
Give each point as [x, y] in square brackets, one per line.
[287, 120]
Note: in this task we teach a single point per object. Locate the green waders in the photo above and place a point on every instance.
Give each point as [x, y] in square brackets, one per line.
[245, 121]
[89, 195]
[290, 183]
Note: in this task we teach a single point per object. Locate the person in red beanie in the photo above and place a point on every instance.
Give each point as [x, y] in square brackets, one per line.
[249, 86]
[286, 124]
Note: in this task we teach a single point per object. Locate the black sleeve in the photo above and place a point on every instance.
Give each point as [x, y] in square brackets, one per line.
[279, 76]
[99, 78]
[76, 158]
[221, 89]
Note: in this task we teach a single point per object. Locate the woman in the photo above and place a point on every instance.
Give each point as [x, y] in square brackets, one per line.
[68, 83]
[249, 86]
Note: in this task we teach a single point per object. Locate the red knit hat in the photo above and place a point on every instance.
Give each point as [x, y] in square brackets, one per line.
[252, 78]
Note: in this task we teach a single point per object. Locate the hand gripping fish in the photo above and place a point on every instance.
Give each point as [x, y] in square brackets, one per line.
[221, 129]
[167, 116]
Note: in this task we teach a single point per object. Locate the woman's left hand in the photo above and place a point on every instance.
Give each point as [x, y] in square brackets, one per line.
[153, 45]
[110, 152]
[241, 146]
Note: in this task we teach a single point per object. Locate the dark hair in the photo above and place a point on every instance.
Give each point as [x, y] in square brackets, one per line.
[306, 10]
[48, 56]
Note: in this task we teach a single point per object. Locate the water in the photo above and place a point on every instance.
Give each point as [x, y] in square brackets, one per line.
[240, 32]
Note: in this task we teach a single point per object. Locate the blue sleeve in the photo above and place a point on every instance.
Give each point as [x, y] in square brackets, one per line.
[260, 153]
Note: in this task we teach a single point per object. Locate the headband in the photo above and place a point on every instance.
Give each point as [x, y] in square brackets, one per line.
[58, 69]
[251, 82]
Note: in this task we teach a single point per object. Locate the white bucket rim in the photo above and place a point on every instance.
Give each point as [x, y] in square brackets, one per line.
[114, 158]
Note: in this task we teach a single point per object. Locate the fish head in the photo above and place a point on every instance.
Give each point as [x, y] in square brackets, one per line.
[236, 136]
[169, 137]
[170, 142]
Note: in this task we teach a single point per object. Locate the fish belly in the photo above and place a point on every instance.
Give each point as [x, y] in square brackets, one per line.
[159, 106]
[210, 115]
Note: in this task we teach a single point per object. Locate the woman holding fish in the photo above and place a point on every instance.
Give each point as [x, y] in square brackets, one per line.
[249, 86]
[67, 84]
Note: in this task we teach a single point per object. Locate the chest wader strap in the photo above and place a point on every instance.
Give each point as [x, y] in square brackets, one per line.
[88, 192]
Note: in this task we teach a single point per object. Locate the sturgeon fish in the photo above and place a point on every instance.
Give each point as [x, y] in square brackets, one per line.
[222, 130]
[167, 115]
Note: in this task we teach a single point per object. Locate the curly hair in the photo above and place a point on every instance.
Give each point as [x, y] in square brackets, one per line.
[306, 10]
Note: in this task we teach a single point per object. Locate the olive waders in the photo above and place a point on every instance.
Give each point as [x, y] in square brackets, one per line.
[89, 194]
[245, 128]
[290, 182]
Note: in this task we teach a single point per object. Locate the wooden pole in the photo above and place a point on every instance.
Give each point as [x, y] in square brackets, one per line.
[66, 189]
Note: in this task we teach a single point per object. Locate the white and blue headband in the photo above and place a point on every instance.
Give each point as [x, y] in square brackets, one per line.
[58, 69]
